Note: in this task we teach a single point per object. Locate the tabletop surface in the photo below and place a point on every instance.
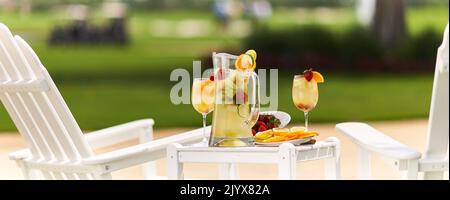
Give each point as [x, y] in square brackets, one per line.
[318, 144]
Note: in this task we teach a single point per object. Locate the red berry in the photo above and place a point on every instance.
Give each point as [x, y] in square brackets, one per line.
[308, 75]
[261, 118]
[255, 126]
[262, 128]
[253, 132]
[211, 77]
[261, 124]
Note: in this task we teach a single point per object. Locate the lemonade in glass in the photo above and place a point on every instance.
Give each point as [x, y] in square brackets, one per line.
[305, 92]
[203, 100]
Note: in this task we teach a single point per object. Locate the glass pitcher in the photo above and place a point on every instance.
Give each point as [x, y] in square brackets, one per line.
[237, 105]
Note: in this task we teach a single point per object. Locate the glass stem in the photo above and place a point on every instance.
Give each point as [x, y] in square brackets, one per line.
[306, 120]
[205, 140]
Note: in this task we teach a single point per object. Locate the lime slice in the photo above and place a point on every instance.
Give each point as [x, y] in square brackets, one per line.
[252, 53]
[243, 110]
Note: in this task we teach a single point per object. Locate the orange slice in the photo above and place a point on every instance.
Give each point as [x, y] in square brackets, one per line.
[307, 134]
[275, 139]
[280, 131]
[264, 135]
[318, 77]
[245, 62]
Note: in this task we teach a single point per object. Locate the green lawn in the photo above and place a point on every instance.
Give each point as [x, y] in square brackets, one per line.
[106, 85]
[342, 98]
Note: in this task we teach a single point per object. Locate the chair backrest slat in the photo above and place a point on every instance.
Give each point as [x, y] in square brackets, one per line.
[57, 105]
[20, 124]
[438, 127]
[17, 72]
[50, 118]
[36, 106]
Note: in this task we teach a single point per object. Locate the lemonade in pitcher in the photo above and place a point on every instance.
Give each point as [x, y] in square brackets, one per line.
[237, 104]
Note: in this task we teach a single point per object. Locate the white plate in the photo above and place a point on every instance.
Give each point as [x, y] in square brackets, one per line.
[282, 116]
[275, 144]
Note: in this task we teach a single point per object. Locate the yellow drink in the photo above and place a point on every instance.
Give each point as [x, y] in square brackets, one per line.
[203, 93]
[203, 96]
[230, 127]
[305, 94]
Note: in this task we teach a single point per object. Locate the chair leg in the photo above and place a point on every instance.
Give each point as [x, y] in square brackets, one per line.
[287, 162]
[106, 176]
[413, 170]
[363, 163]
[27, 173]
[149, 168]
[174, 166]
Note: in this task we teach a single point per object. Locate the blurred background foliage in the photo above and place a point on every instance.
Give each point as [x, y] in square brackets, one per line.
[107, 83]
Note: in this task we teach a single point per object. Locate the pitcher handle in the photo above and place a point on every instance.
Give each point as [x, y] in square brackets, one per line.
[254, 112]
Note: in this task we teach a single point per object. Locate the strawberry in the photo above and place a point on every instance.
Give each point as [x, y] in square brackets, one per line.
[211, 77]
[261, 124]
[308, 74]
[253, 132]
[262, 128]
[261, 117]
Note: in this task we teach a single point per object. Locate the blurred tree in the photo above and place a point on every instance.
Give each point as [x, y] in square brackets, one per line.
[388, 24]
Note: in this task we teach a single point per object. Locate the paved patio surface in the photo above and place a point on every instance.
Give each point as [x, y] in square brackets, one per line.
[409, 132]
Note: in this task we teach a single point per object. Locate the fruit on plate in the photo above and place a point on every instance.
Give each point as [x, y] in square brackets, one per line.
[284, 134]
[310, 74]
[265, 122]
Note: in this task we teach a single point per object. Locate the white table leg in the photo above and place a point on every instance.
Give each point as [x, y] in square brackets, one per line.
[174, 166]
[228, 171]
[413, 170]
[333, 164]
[287, 162]
[434, 175]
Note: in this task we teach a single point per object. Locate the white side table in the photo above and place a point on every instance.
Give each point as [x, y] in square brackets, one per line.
[286, 156]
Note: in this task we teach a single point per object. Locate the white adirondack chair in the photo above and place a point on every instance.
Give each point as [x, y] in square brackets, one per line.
[434, 162]
[57, 148]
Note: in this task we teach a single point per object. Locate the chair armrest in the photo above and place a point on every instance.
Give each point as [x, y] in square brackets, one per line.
[119, 133]
[156, 147]
[373, 140]
[20, 154]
